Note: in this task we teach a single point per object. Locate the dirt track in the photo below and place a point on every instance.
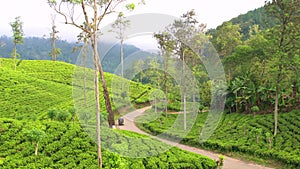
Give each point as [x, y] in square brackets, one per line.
[229, 163]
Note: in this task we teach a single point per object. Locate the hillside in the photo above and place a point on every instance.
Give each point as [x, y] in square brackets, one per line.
[241, 134]
[66, 145]
[30, 95]
[254, 17]
[35, 48]
[38, 86]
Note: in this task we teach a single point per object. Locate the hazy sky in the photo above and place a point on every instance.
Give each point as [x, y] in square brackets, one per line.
[36, 13]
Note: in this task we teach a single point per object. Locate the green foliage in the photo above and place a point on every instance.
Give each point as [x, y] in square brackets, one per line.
[63, 115]
[255, 109]
[17, 30]
[52, 114]
[229, 135]
[38, 88]
[34, 135]
[226, 38]
[130, 6]
[41, 90]
[254, 17]
[68, 146]
[221, 161]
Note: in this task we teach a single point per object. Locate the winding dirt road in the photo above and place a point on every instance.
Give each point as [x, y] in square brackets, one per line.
[229, 163]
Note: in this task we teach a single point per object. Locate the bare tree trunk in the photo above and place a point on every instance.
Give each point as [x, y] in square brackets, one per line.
[111, 115]
[165, 82]
[184, 111]
[54, 50]
[155, 105]
[184, 92]
[84, 75]
[96, 82]
[194, 86]
[167, 100]
[15, 55]
[276, 110]
[53, 38]
[122, 62]
[236, 103]
[194, 99]
[111, 121]
[36, 149]
[53, 45]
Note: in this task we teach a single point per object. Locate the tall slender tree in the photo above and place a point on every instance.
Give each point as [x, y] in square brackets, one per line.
[283, 38]
[53, 36]
[17, 29]
[166, 45]
[120, 26]
[182, 30]
[94, 11]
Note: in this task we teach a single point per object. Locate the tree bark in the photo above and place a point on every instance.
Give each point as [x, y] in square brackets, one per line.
[184, 92]
[53, 45]
[84, 75]
[165, 82]
[15, 55]
[111, 115]
[96, 87]
[194, 98]
[53, 38]
[276, 110]
[36, 149]
[155, 105]
[122, 62]
[184, 111]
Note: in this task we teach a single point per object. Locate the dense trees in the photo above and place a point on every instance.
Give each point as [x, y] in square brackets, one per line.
[284, 49]
[227, 37]
[261, 69]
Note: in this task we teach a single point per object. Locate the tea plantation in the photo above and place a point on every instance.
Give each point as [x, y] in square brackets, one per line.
[243, 134]
[36, 101]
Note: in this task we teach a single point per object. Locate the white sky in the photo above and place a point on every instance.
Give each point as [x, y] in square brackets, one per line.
[36, 14]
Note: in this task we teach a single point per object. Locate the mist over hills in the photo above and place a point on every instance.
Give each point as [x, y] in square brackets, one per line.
[36, 48]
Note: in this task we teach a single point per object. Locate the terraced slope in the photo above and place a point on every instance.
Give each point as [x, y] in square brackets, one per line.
[243, 134]
[37, 86]
[28, 94]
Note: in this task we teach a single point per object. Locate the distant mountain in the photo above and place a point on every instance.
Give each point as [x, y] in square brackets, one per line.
[35, 48]
[254, 17]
